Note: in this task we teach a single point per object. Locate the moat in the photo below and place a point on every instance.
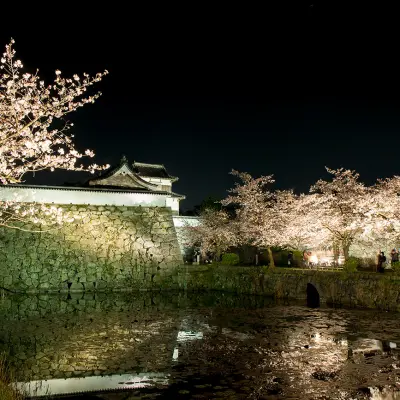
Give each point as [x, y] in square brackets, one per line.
[202, 346]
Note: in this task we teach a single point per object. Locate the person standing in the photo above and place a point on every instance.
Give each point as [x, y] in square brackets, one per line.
[394, 255]
[381, 261]
[290, 258]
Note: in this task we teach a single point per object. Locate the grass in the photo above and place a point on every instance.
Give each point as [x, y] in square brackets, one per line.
[6, 391]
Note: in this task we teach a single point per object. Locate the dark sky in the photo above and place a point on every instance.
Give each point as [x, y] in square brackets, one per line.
[284, 90]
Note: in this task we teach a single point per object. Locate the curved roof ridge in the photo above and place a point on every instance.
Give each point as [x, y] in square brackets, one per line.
[113, 170]
[148, 164]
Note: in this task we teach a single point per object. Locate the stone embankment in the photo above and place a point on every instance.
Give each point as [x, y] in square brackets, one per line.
[97, 248]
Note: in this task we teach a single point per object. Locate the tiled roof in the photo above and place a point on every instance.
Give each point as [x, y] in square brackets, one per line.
[138, 169]
[152, 171]
[111, 171]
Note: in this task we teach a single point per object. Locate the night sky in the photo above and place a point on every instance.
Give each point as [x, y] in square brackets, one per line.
[284, 90]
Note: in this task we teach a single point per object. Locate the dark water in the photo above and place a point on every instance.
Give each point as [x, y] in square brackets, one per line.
[198, 346]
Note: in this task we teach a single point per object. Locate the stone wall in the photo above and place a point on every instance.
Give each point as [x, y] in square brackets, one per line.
[361, 289]
[103, 248]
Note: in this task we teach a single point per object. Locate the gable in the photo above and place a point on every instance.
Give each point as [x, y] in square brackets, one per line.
[122, 177]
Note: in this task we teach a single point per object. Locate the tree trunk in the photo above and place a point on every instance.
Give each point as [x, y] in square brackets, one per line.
[336, 252]
[270, 258]
[346, 248]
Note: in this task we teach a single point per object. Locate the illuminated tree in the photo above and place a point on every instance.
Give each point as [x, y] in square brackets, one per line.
[341, 208]
[300, 230]
[343, 212]
[215, 233]
[31, 217]
[382, 226]
[258, 217]
[34, 134]
[336, 214]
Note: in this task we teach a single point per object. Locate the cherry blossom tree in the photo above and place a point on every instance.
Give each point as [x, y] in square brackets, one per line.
[382, 225]
[31, 217]
[342, 213]
[336, 214]
[257, 213]
[300, 230]
[341, 207]
[386, 205]
[34, 134]
[215, 233]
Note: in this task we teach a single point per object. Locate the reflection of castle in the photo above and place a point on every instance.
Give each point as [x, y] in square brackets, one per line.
[136, 184]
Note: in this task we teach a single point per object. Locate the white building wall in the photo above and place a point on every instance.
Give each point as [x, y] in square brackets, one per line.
[162, 184]
[172, 202]
[182, 221]
[82, 196]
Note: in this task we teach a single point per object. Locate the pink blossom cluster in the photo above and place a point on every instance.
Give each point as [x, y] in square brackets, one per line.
[34, 134]
[335, 214]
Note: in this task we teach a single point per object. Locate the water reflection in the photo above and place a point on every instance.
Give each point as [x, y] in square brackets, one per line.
[199, 346]
[184, 336]
[91, 384]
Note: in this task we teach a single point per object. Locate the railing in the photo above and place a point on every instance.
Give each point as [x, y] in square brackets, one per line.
[325, 262]
[325, 266]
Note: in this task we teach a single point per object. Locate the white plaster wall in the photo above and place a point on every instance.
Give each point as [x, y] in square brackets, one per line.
[79, 196]
[172, 202]
[181, 221]
[159, 182]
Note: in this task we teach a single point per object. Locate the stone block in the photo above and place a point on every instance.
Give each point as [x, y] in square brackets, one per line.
[77, 287]
[66, 368]
[35, 369]
[101, 284]
[71, 238]
[8, 280]
[127, 213]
